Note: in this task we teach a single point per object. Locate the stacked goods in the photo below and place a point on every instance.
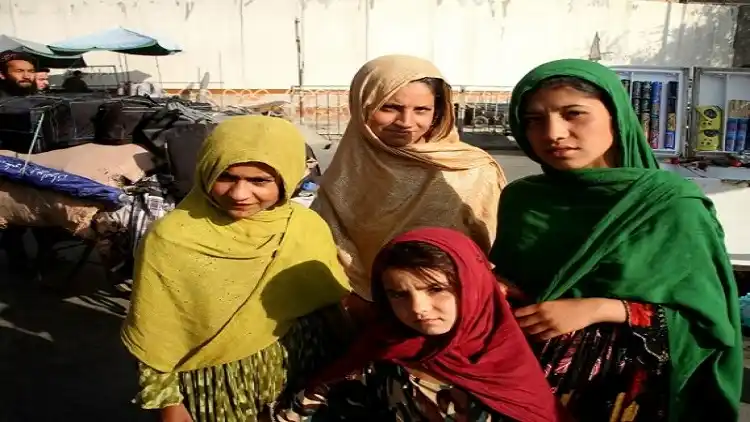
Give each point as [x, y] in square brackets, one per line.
[708, 127]
[670, 134]
[636, 97]
[650, 100]
[654, 125]
[111, 165]
[45, 119]
[738, 116]
[26, 205]
[645, 114]
[710, 119]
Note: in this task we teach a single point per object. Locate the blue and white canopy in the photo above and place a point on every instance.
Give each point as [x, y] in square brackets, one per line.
[119, 40]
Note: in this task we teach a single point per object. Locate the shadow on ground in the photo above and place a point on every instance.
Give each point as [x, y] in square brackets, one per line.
[60, 355]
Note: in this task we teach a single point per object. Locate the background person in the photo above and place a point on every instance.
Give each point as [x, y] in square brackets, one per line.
[16, 74]
[237, 291]
[401, 165]
[627, 290]
[42, 79]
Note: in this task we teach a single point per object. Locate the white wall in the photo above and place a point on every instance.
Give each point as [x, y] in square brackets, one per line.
[251, 43]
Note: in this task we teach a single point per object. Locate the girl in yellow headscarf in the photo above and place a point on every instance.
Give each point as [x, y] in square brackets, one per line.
[401, 165]
[227, 286]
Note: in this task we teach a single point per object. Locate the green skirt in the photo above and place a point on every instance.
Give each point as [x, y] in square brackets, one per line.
[240, 391]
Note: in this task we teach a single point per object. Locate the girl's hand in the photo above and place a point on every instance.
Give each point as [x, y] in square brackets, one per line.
[510, 290]
[176, 413]
[551, 319]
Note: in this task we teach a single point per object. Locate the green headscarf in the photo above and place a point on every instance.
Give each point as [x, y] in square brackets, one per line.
[634, 232]
[634, 149]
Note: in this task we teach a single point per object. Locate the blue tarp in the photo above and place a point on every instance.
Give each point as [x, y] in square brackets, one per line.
[58, 181]
[120, 40]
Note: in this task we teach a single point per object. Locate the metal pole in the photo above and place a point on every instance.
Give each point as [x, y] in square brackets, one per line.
[368, 4]
[300, 58]
[33, 142]
[221, 79]
[300, 62]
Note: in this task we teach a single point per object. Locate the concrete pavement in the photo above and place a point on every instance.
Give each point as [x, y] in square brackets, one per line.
[60, 355]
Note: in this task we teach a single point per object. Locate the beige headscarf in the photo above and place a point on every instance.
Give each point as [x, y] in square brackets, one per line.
[373, 192]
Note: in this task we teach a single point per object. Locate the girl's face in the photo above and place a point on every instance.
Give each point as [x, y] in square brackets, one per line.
[243, 190]
[406, 117]
[423, 301]
[569, 129]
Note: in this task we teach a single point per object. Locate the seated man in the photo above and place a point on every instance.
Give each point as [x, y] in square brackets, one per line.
[75, 83]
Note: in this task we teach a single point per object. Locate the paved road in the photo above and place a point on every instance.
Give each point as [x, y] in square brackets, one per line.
[60, 356]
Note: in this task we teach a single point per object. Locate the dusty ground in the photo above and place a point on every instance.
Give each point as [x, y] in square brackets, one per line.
[60, 356]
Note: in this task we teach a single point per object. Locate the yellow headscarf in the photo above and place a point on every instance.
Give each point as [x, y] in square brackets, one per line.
[210, 290]
[371, 192]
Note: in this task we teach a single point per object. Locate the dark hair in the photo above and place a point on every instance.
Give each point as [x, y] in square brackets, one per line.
[412, 256]
[43, 70]
[8, 56]
[580, 85]
[440, 89]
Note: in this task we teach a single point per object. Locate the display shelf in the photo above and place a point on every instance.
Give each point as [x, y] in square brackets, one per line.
[663, 113]
[721, 111]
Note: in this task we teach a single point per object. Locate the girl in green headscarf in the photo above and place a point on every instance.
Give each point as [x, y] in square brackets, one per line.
[237, 291]
[619, 268]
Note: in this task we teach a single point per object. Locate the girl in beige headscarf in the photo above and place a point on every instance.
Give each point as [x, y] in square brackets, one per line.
[401, 165]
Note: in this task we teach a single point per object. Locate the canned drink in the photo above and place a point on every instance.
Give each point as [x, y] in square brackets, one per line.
[730, 136]
[646, 123]
[654, 131]
[656, 92]
[646, 89]
[672, 89]
[742, 128]
[645, 106]
[637, 88]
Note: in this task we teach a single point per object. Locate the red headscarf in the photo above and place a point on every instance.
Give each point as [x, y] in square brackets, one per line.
[486, 353]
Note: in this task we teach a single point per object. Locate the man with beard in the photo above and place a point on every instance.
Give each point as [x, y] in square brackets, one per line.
[17, 74]
[17, 79]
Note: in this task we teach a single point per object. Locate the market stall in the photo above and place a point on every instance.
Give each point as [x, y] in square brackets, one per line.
[703, 139]
[118, 40]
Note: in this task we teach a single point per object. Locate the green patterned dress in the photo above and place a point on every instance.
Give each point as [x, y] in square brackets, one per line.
[384, 392]
[241, 391]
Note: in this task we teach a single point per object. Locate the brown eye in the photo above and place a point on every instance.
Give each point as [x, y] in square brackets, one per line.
[530, 119]
[395, 295]
[574, 114]
[260, 182]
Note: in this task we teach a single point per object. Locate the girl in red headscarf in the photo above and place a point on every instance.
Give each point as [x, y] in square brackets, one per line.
[445, 346]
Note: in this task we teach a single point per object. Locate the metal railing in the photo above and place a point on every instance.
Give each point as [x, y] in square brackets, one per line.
[480, 110]
[324, 108]
[483, 109]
